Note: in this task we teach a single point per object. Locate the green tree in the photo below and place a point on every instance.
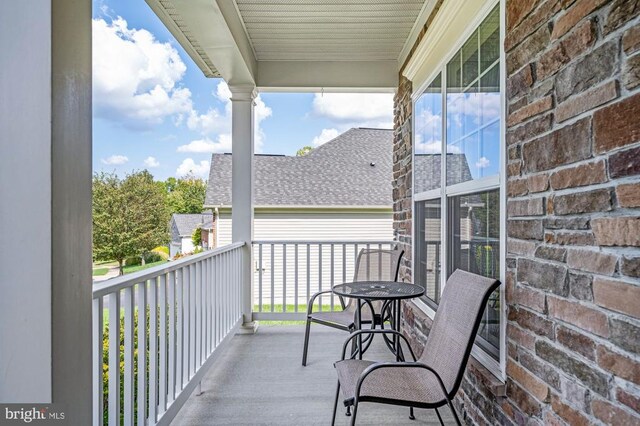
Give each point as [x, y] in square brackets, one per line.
[185, 195]
[303, 151]
[129, 216]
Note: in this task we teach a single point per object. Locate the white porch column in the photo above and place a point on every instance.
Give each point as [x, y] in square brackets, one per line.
[45, 188]
[242, 179]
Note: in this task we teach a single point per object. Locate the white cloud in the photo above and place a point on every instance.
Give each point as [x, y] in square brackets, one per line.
[213, 121]
[483, 107]
[483, 163]
[219, 121]
[433, 146]
[115, 160]
[188, 166]
[355, 109]
[151, 162]
[135, 77]
[325, 136]
[206, 145]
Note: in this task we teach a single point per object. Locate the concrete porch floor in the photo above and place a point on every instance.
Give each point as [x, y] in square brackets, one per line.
[259, 380]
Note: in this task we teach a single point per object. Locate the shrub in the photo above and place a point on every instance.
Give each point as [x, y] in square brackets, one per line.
[151, 257]
[131, 261]
[161, 249]
[196, 237]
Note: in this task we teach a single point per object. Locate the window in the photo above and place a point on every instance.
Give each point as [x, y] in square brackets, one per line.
[457, 196]
[428, 249]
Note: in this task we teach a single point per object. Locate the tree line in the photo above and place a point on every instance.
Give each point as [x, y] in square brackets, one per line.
[131, 214]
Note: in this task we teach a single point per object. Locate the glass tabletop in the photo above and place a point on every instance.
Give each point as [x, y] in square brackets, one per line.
[378, 290]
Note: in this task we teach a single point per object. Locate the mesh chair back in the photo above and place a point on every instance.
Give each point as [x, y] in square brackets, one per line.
[455, 325]
[376, 265]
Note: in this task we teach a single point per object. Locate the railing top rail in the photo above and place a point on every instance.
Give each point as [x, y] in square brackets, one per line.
[324, 242]
[124, 281]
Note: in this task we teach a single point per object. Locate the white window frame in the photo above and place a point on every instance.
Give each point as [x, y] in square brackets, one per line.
[496, 367]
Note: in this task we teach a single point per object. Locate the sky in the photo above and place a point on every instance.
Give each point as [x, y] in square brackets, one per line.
[154, 109]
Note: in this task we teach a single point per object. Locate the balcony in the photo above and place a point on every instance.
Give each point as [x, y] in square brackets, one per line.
[200, 361]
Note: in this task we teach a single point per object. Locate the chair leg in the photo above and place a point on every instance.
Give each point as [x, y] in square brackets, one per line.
[353, 415]
[453, 410]
[411, 416]
[335, 405]
[306, 343]
[439, 417]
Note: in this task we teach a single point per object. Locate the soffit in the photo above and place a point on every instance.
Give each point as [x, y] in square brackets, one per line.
[328, 30]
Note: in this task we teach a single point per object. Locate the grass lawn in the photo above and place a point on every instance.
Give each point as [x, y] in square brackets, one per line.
[302, 308]
[100, 271]
[136, 268]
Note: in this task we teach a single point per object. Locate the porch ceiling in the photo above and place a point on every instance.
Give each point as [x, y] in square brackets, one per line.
[312, 30]
[297, 44]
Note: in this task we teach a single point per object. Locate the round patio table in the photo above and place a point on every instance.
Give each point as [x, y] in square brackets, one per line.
[391, 293]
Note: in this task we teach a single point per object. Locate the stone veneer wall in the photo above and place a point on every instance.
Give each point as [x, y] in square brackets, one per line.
[573, 257]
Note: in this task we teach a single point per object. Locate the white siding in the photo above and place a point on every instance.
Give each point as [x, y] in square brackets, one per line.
[305, 226]
[187, 245]
[362, 226]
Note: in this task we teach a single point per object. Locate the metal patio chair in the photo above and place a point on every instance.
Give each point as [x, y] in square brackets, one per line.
[371, 265]
[433, 380]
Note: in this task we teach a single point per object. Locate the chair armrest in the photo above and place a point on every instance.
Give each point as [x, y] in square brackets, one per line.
[376, 331]
[380, 365]
[313, 299]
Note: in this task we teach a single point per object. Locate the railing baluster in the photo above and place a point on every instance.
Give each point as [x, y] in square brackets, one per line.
[186, 337]
[180, 331]
[380, 261]
[273, 267]
[114, 358]
[259, 278]
[332, 273]
[162, 371]
[171, 288]
[320, 275]
[142, 353]
[209, 281]
[129, 348]
[98, 347]
[295, 277]
[153, 350]
[198, 308]
[216, 300]
[203, 344]
[284, 278]
[368, 264]
[344, 263]
[225, 282]
[193, 328]
[308, 271]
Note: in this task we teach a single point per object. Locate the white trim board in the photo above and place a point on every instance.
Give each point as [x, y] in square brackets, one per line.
[451, 27]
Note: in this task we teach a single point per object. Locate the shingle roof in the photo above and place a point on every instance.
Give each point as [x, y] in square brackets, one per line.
[338, 173]
[187, 223]
[428, 168]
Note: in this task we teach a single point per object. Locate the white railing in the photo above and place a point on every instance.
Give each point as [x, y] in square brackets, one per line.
[161, 329]
[287, 273]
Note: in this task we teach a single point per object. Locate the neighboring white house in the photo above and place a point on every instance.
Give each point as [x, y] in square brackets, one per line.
[182, 227]
[338, 191]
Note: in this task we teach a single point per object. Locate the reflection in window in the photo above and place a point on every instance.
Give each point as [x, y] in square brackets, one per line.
[428, 248]
[474, 246]
[473, 105]
[463, 106]
[428, 137]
